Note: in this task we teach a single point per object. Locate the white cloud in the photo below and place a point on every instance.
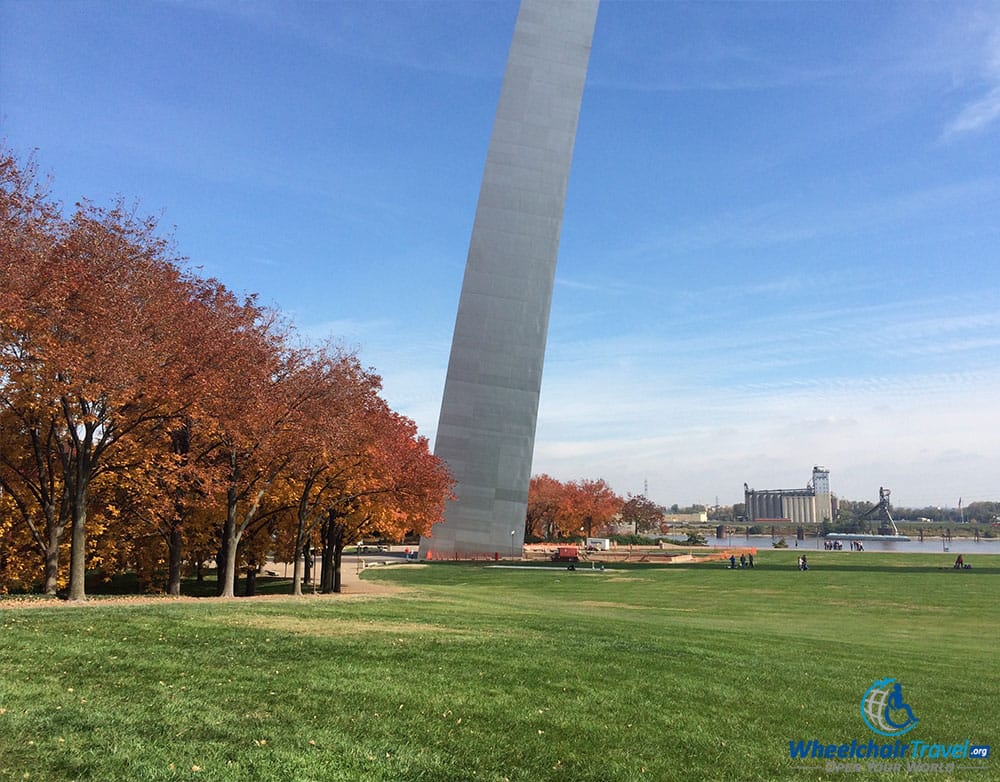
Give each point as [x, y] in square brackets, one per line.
[984, 42]
[788, 222]
[977, 116]
[694, 446]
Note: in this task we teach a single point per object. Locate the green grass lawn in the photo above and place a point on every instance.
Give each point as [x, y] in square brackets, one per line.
[688, 672]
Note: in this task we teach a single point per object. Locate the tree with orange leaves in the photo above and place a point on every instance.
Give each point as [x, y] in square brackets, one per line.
[29, 471]
[105, 341]
[592, 505]
[314, 476]
[546, 500]
[260, 438]
[569, 510]
[389, 483]
[141, 405]
[642, 514]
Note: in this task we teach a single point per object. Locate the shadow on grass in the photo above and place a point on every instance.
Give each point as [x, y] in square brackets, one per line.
[99, 585]
[897, 564]
[127, 584]
[854, 566]
[866, 568]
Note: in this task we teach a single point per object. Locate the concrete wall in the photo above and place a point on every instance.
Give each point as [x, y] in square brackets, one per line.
[800, 508]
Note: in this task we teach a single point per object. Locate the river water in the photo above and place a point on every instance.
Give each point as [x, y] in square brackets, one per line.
[813, 543]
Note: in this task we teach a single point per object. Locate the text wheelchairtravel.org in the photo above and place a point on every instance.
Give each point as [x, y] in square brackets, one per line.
[896, 750]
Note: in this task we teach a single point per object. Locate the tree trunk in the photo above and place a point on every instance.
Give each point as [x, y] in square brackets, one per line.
[326, 574]
[220, 566]
[175, 546]
[250, 587]
[326, 553]
[338, 553]
[333, 550]
[180, 440]
[230, 541]
[300, 544]
[78, 546]
[297, 572]
[52, 559]
[228, 577]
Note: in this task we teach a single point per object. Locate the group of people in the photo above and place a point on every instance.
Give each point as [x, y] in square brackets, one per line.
[836, 545]
[746, 560]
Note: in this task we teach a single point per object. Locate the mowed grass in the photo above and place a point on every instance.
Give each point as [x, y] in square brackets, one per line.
[690, 672]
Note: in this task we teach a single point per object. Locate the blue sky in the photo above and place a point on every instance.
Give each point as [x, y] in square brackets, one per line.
[781, 244]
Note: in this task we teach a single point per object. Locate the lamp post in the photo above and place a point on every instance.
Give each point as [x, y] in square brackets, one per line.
[513, 532]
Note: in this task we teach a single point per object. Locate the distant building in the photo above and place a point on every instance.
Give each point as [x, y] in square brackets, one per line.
[619, 527]
[810, 505]
[685, 518]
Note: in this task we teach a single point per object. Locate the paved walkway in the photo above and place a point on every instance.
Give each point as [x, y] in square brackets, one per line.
[352, 580]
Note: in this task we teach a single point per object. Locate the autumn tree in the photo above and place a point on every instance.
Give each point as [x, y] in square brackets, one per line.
[591, 505]
[18, 563]
[319, 472]
[29, 473]
[136, 352]
[103, 339]
[192, 466]
[641, 512]
[571, 509]
[258, 442]
[389, 484]
[547, 501]
[156, 505]
[273, 429]
[143, 407]
[31, 478]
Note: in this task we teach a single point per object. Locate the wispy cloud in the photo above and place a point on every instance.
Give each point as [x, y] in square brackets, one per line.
[982, 112]
[682, 47]
[977, 116]
[349, 329]
[385, 33]
[595, 285]
[782, 222]
[863, 385]
[863, 428]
